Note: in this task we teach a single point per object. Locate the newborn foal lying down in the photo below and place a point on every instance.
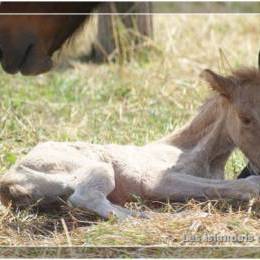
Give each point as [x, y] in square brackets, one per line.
[189, 163]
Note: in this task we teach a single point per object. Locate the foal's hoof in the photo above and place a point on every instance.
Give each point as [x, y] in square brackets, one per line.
[123, 213]
[69, 203]
[246, 172]
[143, 214]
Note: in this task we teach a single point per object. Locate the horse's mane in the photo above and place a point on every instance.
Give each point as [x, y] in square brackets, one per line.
[78, 31]
[80, 41]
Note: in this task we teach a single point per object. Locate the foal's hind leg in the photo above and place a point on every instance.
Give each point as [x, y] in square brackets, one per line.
[96, 183]
[181, 187]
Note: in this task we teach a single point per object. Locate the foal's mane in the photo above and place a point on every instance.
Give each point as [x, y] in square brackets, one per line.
[246, 75]
[210, 111]
[198, 125]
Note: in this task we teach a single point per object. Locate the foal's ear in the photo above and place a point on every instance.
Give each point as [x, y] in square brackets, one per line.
[222, 85]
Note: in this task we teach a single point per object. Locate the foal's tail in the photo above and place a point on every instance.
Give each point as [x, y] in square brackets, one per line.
[13, 194]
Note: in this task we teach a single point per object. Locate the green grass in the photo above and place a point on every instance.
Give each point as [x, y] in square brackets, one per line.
[135, 102]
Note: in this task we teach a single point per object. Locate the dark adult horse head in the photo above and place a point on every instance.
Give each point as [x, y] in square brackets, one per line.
[27, 42]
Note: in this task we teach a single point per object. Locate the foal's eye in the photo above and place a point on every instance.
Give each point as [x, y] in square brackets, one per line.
[245, 120]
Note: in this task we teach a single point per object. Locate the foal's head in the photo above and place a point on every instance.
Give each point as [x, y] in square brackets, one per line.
[241, 96]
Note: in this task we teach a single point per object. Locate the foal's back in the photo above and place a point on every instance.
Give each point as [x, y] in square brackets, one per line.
[66, 157]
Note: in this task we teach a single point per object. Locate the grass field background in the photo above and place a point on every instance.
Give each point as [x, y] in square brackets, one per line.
[157, 91]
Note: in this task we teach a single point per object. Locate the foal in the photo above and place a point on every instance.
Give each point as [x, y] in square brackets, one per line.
[189, 163]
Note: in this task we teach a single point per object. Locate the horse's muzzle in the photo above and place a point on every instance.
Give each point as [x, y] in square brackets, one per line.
[27, 57]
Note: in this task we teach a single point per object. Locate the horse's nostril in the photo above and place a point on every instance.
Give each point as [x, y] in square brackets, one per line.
[27, 51]
[1, 54]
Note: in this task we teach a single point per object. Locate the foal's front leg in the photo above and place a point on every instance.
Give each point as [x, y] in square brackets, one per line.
[96, 183]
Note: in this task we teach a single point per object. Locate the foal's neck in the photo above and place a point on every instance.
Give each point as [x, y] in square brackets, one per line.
[205, 138]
